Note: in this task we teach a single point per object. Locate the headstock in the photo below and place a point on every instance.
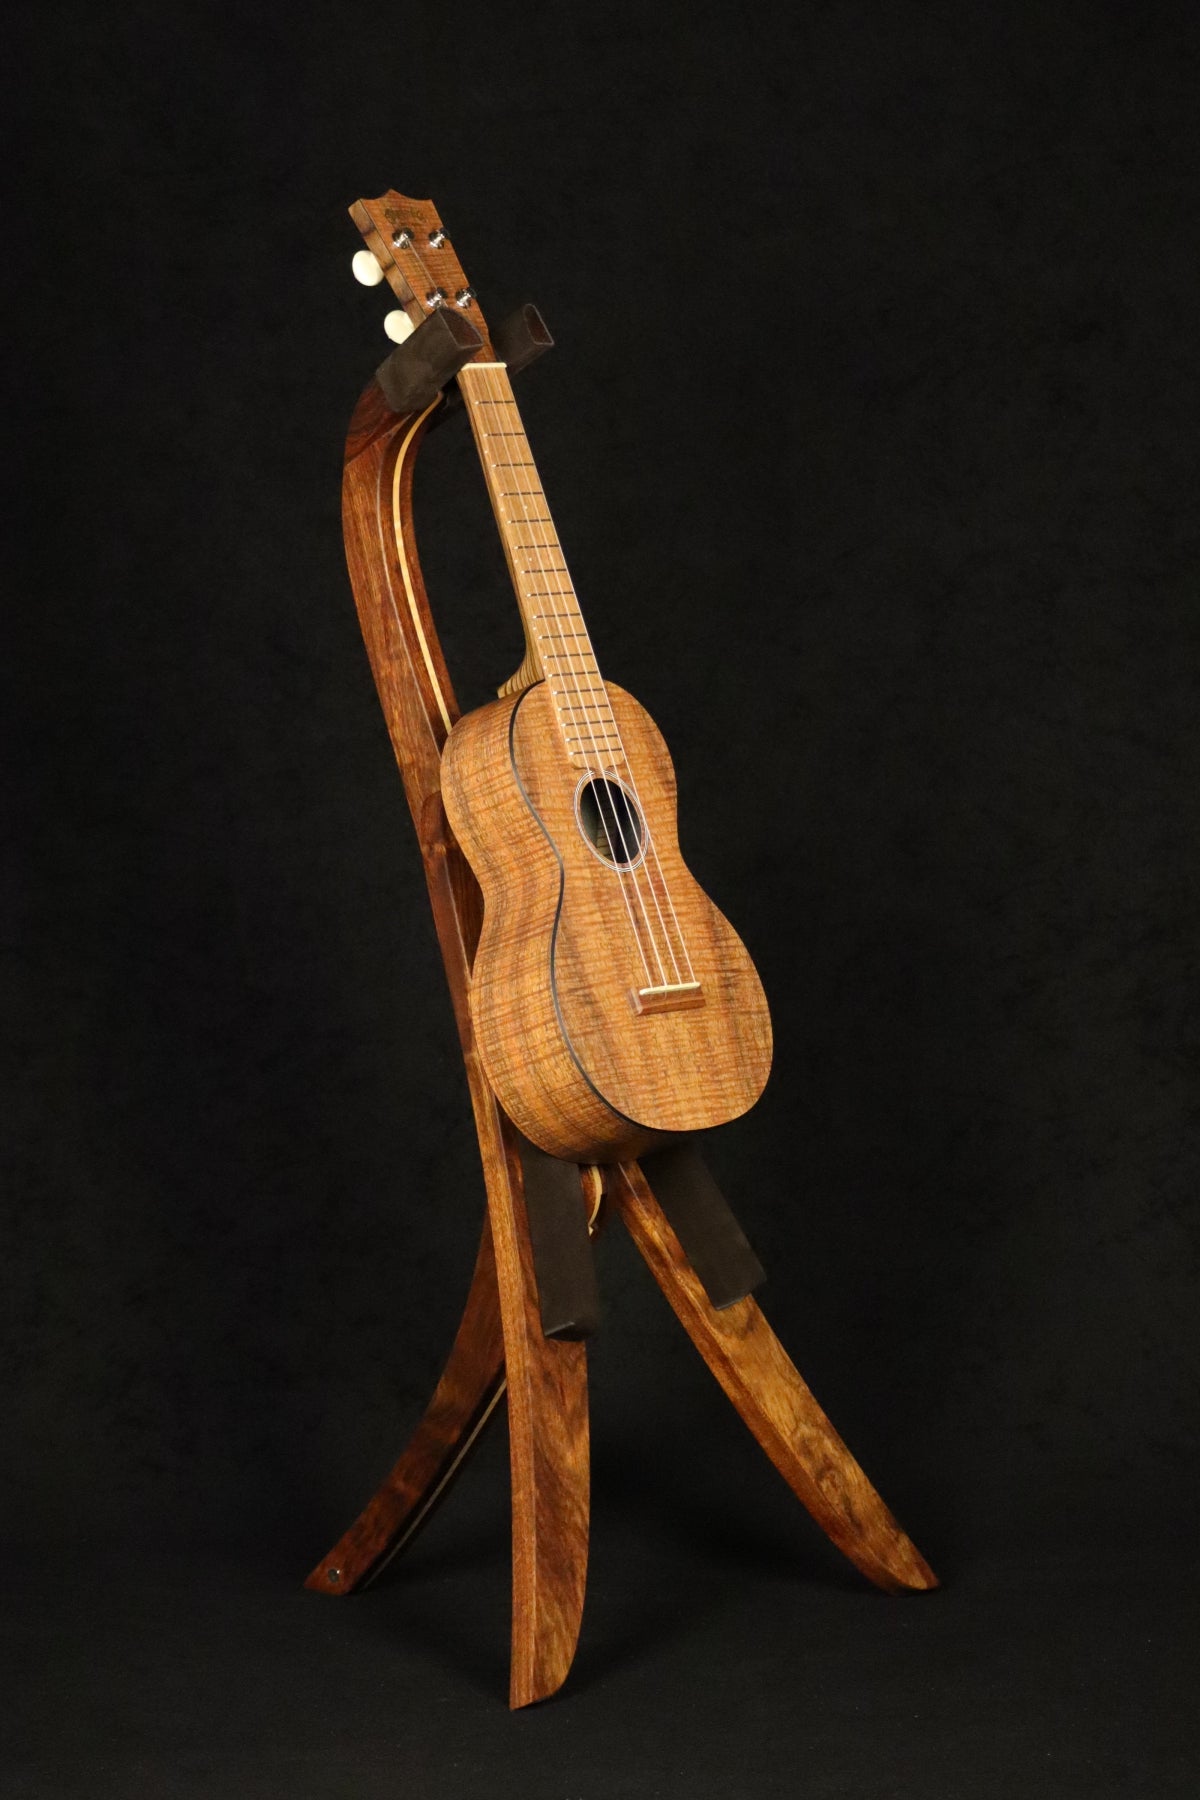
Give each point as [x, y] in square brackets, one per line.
[418, 262]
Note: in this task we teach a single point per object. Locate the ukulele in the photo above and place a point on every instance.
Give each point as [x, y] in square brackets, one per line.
[614, 1008]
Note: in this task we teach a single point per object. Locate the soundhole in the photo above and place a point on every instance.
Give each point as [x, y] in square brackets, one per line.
[610, 821]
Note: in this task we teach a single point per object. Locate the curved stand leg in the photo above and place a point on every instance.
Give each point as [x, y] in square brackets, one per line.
[465, 1399]
[499, 1345]
[768, 1391]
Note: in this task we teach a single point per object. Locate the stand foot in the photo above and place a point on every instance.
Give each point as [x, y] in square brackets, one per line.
[768, 1391]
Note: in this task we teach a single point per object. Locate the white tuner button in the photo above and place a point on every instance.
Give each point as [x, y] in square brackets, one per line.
[398, 326]
[366, 268]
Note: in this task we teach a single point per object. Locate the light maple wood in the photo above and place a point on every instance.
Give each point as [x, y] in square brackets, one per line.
[557, 973]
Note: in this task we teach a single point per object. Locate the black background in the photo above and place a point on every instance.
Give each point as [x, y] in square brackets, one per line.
[870, 438]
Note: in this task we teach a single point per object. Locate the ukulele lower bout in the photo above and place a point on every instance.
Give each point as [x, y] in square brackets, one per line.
[613, 1005]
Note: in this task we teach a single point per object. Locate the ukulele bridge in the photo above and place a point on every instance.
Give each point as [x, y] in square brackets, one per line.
[674, 996]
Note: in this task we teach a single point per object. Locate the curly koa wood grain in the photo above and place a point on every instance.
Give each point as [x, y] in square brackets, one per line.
[546, 1379]
[500, 1346]
[584, 1071]
[768, 1391]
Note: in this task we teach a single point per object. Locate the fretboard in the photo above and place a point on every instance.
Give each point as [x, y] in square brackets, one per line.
[558, 648]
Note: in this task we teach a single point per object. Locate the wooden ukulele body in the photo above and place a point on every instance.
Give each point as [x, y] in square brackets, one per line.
[592, 1055]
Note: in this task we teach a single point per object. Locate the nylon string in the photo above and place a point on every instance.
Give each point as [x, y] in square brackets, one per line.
[568, 675]
[648, 859]
[496, 377]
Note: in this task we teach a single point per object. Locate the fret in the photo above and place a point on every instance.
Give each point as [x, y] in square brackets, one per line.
[536, 559]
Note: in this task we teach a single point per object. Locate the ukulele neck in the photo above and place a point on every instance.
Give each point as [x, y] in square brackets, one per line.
[558, 649]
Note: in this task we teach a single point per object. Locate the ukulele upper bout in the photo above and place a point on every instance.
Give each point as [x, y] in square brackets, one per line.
[612, 1002]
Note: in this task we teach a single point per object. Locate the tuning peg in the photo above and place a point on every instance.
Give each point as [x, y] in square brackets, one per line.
[366, 267]
[398, 326]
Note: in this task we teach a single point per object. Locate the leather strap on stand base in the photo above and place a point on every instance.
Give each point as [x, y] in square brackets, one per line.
[701, 1218]
[696, 1209]
[568, 1297]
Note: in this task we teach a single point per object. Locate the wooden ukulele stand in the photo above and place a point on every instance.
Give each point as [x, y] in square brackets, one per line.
[532, 1298]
